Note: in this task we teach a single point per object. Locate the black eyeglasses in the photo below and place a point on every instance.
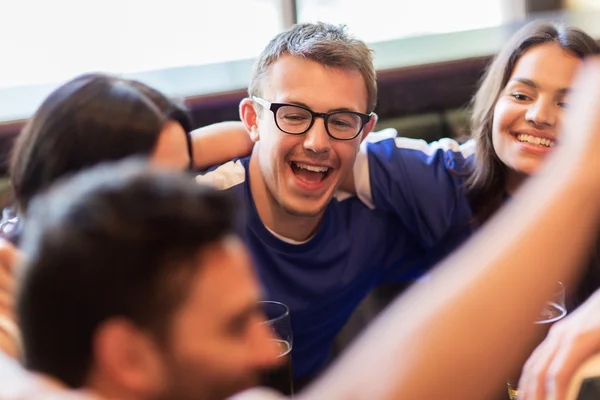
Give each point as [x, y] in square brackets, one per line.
[297, 120]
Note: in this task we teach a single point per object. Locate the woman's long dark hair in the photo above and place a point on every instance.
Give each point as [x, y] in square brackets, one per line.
[91, 119]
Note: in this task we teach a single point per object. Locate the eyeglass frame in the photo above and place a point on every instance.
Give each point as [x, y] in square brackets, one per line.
[274, 107]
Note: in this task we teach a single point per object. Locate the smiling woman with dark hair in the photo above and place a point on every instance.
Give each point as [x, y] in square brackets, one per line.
[517, 117]
[520, 100]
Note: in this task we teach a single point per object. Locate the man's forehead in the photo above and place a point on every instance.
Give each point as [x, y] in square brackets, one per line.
[295, 80]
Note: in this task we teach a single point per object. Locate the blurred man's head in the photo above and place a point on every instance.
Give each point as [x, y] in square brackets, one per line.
[135, 286]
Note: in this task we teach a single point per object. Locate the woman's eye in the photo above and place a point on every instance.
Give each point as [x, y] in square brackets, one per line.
[520, 97]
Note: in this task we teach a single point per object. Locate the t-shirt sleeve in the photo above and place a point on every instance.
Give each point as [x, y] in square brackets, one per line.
[421, 183]
[259, 394]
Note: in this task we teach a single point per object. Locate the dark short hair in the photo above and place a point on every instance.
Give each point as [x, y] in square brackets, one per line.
[327, 44]
[90, 119]
[117, 240]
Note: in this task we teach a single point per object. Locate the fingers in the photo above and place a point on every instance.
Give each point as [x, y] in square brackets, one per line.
[7, 280]
[9, 256]
[533, 378]
[8, 260]
[7, 304]
[548, 372]
[568, 358]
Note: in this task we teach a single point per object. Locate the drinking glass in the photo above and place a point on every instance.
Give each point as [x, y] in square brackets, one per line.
[278, 319]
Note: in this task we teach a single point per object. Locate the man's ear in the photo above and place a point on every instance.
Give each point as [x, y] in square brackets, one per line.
[369, 126]
[249, 118]
[127, 357]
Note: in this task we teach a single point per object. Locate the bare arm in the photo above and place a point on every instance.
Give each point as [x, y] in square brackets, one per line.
[218, 143]
[459, 334]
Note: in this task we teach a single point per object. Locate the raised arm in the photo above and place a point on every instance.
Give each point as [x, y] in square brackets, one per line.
[218, 143]
[459, 334]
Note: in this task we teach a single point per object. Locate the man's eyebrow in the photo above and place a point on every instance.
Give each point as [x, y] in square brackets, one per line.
[299, 103]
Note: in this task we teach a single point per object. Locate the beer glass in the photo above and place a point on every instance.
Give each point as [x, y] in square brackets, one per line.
[278, 319]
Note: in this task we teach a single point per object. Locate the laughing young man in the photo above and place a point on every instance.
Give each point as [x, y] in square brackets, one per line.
[311, 101]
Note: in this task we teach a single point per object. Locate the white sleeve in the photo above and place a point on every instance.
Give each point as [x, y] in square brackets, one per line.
[258, 394]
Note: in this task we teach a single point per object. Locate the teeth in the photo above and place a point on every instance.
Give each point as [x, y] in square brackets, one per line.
[535, 140]
[313, 168]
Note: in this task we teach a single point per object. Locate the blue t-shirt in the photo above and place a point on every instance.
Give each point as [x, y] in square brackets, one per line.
[323, 280]
[421, 183]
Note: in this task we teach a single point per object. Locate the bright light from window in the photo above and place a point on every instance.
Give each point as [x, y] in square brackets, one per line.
[46, 41]
[379, 20]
